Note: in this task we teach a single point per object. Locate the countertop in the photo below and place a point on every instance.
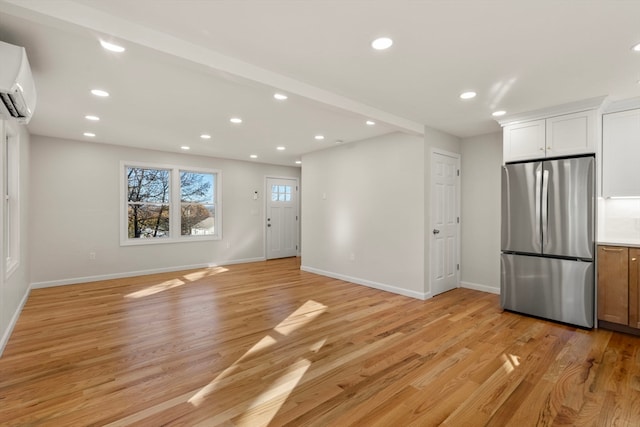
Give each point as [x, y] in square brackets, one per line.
[633, 243]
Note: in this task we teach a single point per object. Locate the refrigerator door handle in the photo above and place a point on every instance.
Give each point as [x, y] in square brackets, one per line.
[545, 207]
[538, 197]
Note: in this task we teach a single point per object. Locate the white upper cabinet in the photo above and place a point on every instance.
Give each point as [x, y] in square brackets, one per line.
[524, 141]
[563, 135]
[620, 154]
[572, 134]
[563, 130]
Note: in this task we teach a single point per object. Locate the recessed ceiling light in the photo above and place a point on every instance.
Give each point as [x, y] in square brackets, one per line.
[382, 43]
[92, 118]
[298, 162]
[112, 47]
[636, 48]
[235, 120]
[280, 96]
[498, 113]
[185, 147]
[370, 123]
[89, 134]
[100, 92]
[319, 137]
[339, 141]
[281, 148]
[467, 95]
[254, 156]
[205, 136]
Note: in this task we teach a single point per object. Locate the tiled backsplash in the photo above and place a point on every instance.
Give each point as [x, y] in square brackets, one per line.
[619, 220]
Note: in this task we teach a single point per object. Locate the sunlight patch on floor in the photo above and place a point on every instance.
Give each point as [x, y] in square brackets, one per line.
[303, 315]
[318, 345]
[510, 362]
[154, 289]
[197, 398]
[266, 404]
[197, 275]
[174, 283]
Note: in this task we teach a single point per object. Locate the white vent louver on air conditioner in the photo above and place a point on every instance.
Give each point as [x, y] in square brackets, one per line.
[17, 89]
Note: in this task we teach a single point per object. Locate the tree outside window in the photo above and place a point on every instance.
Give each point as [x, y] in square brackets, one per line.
[148, 202]
[197, 204]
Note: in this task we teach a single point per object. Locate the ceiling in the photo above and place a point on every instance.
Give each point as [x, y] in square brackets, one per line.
[190, 65]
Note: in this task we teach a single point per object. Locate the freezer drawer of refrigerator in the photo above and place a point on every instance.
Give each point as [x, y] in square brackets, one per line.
[551, 288]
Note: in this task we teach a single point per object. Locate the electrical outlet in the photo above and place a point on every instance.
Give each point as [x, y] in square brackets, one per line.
[92, 256]
[228, 245]
[352, 256]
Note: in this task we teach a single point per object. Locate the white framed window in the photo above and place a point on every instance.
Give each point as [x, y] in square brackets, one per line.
[11, 200]
[166, 203]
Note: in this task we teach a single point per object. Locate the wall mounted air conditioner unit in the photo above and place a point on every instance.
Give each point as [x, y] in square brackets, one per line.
[17, 89]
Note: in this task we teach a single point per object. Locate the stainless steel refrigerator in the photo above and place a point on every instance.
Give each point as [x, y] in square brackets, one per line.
[547, 260]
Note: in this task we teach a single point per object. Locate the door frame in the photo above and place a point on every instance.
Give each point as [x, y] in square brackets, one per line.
[458, 158]
[265, 191]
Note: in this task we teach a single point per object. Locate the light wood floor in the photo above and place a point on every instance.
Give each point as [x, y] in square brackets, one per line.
[266, 344]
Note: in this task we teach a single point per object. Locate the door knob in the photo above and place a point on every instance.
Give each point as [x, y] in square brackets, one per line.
[436, 231]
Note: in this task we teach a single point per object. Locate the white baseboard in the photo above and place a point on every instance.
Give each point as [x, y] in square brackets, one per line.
[12, 323]
[76, 280]
[368, 283]
[478, 287]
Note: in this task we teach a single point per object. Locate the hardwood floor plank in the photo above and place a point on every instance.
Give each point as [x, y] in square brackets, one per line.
[267, 344]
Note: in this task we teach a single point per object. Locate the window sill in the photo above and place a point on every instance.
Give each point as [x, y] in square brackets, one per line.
[167, 240]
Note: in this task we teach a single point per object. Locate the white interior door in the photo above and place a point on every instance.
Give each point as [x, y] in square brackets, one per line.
[445, 221]
[282, 217]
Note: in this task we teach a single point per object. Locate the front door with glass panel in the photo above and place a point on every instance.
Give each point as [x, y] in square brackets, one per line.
[282, 217]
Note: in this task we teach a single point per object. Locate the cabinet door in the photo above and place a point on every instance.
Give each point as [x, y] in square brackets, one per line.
[620, 153]
[613, 284]
[524, 141]
[571, 134]
[634, 287]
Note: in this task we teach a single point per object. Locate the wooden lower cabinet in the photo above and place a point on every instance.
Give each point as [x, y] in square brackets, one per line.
[613, 284]
[619, 287]
[634, 287]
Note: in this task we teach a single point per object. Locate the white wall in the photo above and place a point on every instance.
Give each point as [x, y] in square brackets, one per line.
[15, 289]
[374, 209]
[76, 200]
[481, 188]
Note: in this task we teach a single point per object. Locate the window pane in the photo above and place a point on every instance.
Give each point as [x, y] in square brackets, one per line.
[274, 197]
[148, 221]
[274, 188]
[288, 189]
[197, 219]
[288, 197]
[148, 185]
[197, 187]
